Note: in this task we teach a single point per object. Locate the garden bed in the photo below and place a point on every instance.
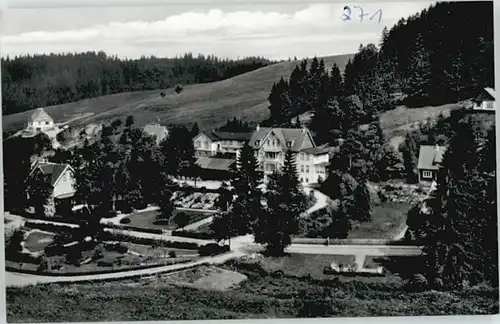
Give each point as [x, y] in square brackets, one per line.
[38, 240]
[138, 256]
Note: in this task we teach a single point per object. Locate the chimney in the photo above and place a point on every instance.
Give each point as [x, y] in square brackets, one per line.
[304, 129]
[436, 148]
[257, 128]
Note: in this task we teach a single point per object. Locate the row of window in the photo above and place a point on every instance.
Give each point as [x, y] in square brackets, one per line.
[199, 144]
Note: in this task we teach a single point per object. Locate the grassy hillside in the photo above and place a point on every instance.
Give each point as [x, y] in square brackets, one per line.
[209, 104]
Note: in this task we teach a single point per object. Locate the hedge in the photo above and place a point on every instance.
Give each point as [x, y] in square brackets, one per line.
[212, 249]
[22, 258]
[51, 227]
[149, 241]
[135, 229]
[96, 272]
[195, 235]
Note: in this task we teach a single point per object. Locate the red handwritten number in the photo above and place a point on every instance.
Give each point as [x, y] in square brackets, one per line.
[379, 13]
[362, 14]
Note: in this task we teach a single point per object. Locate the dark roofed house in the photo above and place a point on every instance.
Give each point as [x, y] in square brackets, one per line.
[62, 180]
[429, 161]
[213, 168]
[485, 100]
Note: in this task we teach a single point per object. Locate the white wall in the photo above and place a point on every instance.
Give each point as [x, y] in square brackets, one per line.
[65, 185]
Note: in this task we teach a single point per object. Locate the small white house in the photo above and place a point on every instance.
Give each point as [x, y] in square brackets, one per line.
[485, 100]
[40, 121]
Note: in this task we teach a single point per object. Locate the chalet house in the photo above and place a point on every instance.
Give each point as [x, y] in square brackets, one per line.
[270, 145]
[429, 160]
[485, 101]
[157, 131]
[63, 185]
[40, 121]
[209, 144]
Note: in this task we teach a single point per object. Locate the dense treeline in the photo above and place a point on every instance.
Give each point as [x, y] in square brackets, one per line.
[457, 224]
[443, 54]
[41, 80]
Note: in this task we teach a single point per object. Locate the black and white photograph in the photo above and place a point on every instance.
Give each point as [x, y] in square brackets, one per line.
[222, 161]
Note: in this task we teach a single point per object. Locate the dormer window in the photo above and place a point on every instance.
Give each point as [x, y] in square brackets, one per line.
[288, 144]
[257, 142]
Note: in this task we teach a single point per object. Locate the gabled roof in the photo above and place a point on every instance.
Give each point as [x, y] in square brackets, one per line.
[159, 131]
[485, 94]
[224, 136]
[215, 163]
[54, 170]
[318, 150]
[39, 115]
[232, 136]
[294, 136]
[430, 157]
[491, 92]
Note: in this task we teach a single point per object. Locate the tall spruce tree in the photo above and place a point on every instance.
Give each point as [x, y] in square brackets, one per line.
[246, 182]
[285, 204]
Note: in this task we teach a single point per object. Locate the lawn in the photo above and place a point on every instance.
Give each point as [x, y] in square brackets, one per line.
[299, 265]
[387, 219]
[37, 240]
[257, 297]
[210, 104]
[147, 219]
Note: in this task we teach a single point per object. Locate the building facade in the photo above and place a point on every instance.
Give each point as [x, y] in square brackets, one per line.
[485, 100]
[40, 121]
[62, 180]
[210, 144]
[429, 161]
[271, 144]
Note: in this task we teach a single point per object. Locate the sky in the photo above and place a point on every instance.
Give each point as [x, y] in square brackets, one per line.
[275, 31]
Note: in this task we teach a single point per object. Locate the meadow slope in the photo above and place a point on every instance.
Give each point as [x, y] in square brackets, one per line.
[209, 104]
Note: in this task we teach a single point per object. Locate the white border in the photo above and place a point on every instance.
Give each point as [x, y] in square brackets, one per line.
[40, 4]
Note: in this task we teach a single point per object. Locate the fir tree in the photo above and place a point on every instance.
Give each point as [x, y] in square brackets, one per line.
[286, 203]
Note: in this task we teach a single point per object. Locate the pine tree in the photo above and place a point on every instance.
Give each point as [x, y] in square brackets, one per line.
[285, 204]
[336, 83]
[246, 182]
[39, 190]
[409, 151]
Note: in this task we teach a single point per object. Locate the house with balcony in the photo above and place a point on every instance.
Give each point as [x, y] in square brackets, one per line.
[270, 145]
[215, 143]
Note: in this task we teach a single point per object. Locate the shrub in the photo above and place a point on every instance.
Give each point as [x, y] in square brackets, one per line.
[212, 249]
[178, 89]
[98, 252]
[125, 220]
[417, 283]
[195, 235]
[117, 247]
[74, 256]
[105, 263]
[43, 266]
[182, 219]
[172, 254]
[161, 222]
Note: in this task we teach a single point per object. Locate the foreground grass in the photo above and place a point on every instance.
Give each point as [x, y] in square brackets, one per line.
[258, 297]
